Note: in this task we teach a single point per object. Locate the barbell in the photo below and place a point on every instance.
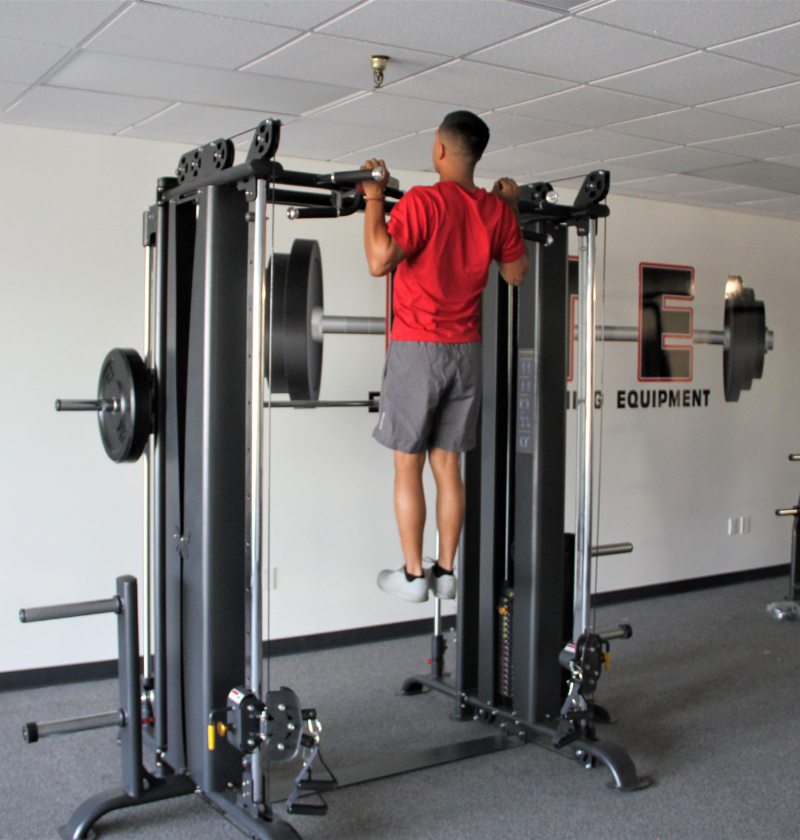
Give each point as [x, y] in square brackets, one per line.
[297, 324]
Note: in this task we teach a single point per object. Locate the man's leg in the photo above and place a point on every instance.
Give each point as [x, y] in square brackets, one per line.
[409, 506]
[449, 503]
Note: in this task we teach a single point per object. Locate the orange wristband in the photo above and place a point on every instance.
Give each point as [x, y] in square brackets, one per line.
[374, 199]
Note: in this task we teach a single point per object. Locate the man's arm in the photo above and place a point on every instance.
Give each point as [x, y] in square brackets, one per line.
[384, 254]
[514, 272]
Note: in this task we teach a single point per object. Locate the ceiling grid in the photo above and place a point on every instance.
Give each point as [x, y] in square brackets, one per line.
[691, 101]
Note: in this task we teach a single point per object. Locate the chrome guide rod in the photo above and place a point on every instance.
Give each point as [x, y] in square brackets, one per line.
[437, 603]
[256, 461]
[510, 423]
[583, 506]
[147, 486]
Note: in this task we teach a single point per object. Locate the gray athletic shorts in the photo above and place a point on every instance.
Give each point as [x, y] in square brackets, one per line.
[430, 397]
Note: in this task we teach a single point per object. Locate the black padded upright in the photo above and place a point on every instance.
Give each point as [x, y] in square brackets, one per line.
[206, 373]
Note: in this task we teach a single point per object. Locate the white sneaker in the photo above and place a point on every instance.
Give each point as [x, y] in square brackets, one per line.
[443, 587]
[397, 583]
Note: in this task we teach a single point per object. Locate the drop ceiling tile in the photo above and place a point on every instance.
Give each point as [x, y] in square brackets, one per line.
[411, 147]
[62, 123]
[384, 111]
[340, 60]
[596, 143]
[579, 50]
[565, 175]
[787, 160]
[293, 13]
[512, 130]
[777, 106]
[205, 121]
[454, 27]
[620, 172]
[700, 24]
[669, 185]
[314, 132]
[26, 61]
[731, 195]
[88, 106]
[680, 159]
[789, 204]
[9, 92]
[560, 4]
[55, 21]
[204, 86]
[590, 107]
[186, 138]
[779, 49]
[755, 173]
[148, 30]
[310, 152]
[697, 78]
[525, 160]
[418, 163]
[476, 85]
[688, 125]
[760, 145]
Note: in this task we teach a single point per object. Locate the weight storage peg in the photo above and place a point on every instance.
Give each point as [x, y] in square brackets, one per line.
[124, 405]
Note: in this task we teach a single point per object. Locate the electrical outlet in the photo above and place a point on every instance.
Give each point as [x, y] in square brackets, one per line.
[270, 579]
[738, 525]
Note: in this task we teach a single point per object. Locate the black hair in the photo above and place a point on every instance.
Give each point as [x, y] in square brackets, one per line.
[469, 131]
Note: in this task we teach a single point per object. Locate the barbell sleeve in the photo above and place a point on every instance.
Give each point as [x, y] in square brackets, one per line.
[612, 548]
[794, 457]
[610, 332]
[322, 404]
[344, 324]
[32, 732]
[624, 631]
[107, 605]
[87, 405]
[787, 511]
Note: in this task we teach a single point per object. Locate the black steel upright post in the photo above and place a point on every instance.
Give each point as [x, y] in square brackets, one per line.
[130, 693]
[540, 450]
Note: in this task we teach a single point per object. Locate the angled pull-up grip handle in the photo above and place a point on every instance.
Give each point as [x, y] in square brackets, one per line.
[794, 457]
[352, 176]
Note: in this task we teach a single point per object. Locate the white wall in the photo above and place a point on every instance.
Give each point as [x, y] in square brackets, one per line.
[70, 520]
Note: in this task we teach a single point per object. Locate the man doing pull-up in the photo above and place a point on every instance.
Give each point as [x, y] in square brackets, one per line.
[441, 240]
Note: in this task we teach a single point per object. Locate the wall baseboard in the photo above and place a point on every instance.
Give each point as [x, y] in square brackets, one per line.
[107, 669]
[676, 587]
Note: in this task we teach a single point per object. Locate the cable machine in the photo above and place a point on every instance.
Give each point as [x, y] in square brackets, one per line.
[221, 320]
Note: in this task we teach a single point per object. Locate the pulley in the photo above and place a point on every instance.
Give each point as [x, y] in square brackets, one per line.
[124, 405]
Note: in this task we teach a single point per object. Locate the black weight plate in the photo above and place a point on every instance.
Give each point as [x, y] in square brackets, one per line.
[302, 355]
[745, 343]
[278, 331]
[124, 378]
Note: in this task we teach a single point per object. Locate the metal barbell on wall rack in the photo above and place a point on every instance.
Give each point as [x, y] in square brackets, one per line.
[298, 335]
[125, 403]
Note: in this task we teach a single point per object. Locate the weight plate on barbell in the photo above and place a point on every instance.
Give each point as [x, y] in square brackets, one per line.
[275, 370]
[303, 293]
[125, 381]
[745, 342]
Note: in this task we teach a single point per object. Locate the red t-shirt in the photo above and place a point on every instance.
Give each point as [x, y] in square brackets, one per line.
[449, 237]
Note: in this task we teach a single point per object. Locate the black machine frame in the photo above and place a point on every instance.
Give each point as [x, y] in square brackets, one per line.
[527, 655]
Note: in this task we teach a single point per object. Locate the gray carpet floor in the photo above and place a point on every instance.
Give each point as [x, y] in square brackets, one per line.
[707, 694]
